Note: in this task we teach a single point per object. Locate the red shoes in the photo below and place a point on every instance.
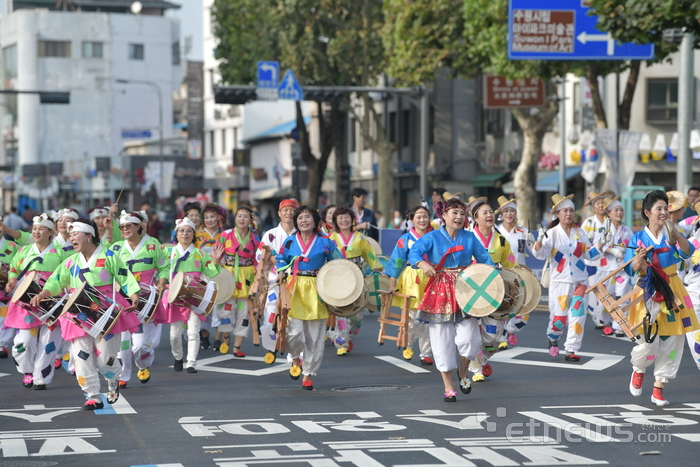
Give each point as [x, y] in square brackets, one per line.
[636, 384]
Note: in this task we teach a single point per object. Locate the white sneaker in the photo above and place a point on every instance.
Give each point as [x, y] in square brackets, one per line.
[657, 397]
[636, 383]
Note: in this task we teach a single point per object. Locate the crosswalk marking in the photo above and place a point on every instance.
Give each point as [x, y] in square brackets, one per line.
[402, 364]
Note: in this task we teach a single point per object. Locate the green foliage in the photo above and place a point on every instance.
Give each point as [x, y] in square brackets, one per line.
[644, 21]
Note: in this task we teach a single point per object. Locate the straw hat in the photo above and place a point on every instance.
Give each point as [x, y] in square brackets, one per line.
[557, 199]
[503, 202]
[447, 195]
[472, 200]
[608, 201]
[592, 196]
[676, 200]
[696, 207]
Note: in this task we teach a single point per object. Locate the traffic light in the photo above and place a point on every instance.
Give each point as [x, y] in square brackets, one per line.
[54, 97]
[237, 95]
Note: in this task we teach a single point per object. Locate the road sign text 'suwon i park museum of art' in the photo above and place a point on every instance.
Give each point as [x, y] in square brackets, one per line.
[563, 30]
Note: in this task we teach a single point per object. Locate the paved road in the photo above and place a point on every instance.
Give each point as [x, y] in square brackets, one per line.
[370, 409]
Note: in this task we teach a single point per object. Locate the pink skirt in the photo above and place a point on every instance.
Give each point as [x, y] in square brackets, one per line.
[18, 317]
[126, 321]
[174, 312]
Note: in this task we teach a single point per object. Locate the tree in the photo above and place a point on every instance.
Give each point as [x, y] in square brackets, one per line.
[325, 42]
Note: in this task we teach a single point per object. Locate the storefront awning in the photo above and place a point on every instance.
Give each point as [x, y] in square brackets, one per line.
[488, 179]
[270, 193]
[547, 180]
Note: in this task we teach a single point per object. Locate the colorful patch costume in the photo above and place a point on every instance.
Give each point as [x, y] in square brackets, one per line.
[107, 273]
[274, 238]
[491, 329]
[667, 349]
[595, 229]
[205, 240]
[568, 282]
[148, 262]
[239, 258]
[307, 317]
[517, 238]
[355, 248]
[35, 344]
[410, 282]
[692, 281]
[448, 324]
[193, 263]
[621, 283]
[7, 253]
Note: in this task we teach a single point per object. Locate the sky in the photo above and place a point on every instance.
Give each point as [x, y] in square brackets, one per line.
[191, 24]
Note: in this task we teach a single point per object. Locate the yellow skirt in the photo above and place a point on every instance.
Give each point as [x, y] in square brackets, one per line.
[411, 282]
[306, 304]
[670, 324]
[246, 276]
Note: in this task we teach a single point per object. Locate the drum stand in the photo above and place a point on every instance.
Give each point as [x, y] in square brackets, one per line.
[394, 319]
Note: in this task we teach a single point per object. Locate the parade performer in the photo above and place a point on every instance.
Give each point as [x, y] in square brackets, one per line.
[240, 245]
[690, 225]
[692, 279]
[409, 281]
[327, 219]
[100, 216]
[442, 255]
[213, 226]
[300, 259]
[568, 247]
[148, 263]
[354, 247]
[65, 218]
[35, 344]
[518, 239]
[667, 309]
[499, 249]
[615, 247]
[184, 257]
[8, 249]
[275, 238]
[107, 273]
[595, 228]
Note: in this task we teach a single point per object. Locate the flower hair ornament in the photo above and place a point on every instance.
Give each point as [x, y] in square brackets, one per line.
[184, 222]
[94, 213]
[44, 220]
[218, 210]
[439, 208]
[82, 227]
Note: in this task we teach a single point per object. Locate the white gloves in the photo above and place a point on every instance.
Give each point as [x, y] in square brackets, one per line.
[617, 252]
[591, 236]
[608, 238]
[541, 233]
[530, 238]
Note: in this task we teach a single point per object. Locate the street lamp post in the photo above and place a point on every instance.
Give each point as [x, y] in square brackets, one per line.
[159, 92]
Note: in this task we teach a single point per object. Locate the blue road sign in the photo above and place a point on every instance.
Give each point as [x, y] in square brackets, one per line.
[136, 133]
[289, 87]
[563, 30]
[268, 74]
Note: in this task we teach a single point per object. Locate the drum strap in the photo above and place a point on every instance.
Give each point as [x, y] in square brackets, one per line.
[37, 259]
[131, 262]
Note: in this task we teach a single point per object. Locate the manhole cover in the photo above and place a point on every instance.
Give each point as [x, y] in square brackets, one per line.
[26, 463]
[378, 387]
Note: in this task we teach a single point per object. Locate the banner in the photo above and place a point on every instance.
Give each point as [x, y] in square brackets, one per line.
[607, 141]
[629, 156]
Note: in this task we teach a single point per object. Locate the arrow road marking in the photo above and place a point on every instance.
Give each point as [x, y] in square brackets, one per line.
[583, 38]
[207, 365]
[402, 364]
[598, 362]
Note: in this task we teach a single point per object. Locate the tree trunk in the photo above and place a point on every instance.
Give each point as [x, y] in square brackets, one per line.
[316, 166]
[598, 109]
[525, 178]
[626, 104]
[342, 168]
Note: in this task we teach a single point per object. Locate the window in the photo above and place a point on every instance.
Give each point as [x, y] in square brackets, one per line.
[135, 51]
[392, 127]
[406, 121]
[92, 49]
[54, 49]
[353, 135]
[176, 53]
[495, 122]
[662, 100]
[9, 62]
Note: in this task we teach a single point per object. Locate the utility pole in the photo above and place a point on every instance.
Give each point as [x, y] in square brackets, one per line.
[686, 85]
[562, 138]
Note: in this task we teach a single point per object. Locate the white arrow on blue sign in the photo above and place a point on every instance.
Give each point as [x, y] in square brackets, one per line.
[539, 30]
[268, 80]
[289, 87]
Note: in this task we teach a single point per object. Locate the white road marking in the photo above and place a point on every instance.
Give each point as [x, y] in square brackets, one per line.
[598, 362]
[121, 407]
[573, 428]
[692, 437]
[402, 364]
[207, 365]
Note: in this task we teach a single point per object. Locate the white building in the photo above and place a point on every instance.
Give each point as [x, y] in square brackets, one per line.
[119, 68]
[226, 126]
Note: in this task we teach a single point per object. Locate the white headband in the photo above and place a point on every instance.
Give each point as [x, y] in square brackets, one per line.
[69, 213]
[127, 218]
[45, 221]
[98, 212]
[184, 222]
[613, 205]
[144, 214]
[567, 203]
[81, 227]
